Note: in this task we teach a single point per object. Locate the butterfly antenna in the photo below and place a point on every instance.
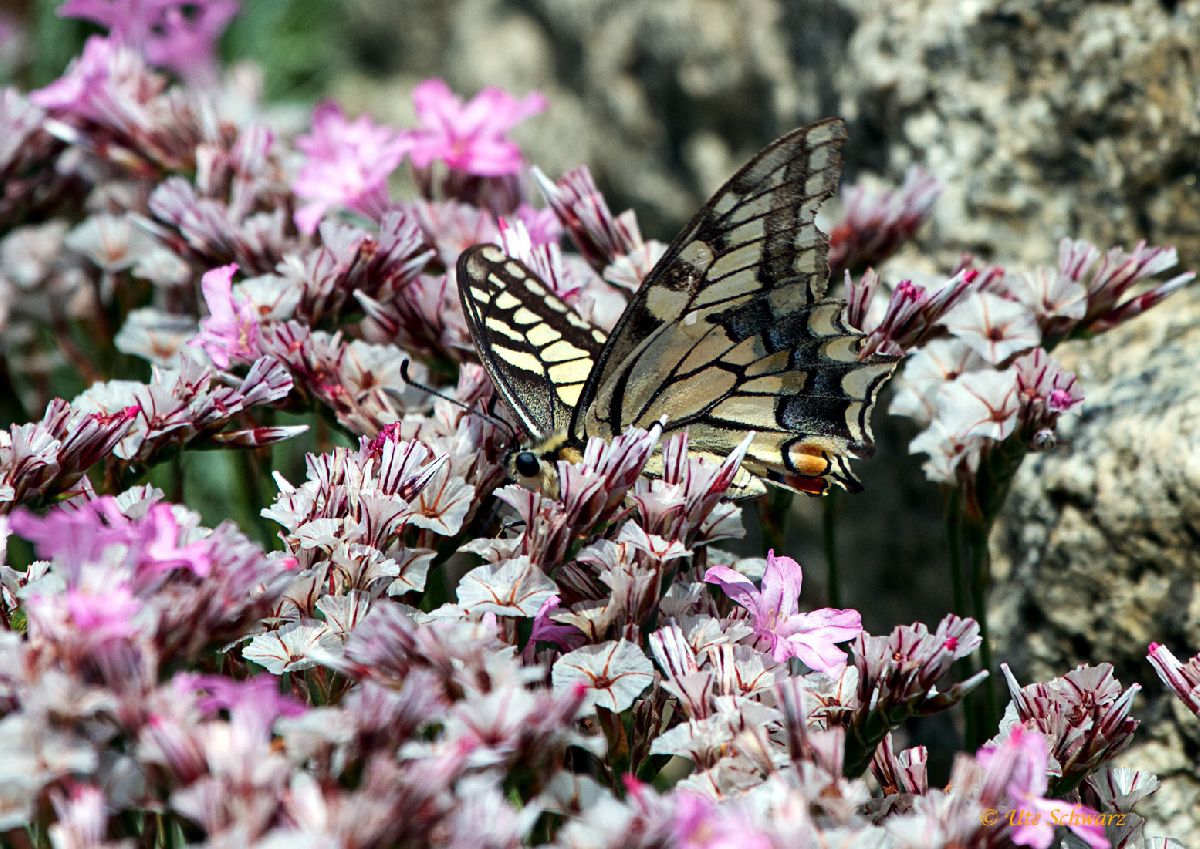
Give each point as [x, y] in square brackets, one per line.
[437, 393]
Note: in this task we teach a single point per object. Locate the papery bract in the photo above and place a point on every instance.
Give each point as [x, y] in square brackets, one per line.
[1182, 678]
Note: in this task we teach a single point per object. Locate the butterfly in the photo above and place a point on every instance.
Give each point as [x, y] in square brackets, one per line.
[730, 334]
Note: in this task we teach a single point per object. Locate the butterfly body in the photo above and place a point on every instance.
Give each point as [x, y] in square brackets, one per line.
[729, 335]
[534, 465]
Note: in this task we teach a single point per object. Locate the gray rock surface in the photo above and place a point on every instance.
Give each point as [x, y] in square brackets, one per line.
[1045, 118]
[1050, 119]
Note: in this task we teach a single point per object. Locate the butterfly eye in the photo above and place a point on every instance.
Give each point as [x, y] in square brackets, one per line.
[527, 464]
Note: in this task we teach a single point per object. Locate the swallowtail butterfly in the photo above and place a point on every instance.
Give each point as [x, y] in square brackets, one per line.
[730, 333]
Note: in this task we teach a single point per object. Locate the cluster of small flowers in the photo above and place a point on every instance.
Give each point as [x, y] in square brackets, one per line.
[980, 371]
[498, 719]
[128, 589]
[467, 663]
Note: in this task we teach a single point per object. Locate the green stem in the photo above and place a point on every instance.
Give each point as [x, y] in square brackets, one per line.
[980, 575]
[829, 538]
[177, 482]
[954, 508]
[12, 411]
[253, 497]
[954, 541]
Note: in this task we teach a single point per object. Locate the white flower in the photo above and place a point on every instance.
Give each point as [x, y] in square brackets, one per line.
[513, 588]
[1120, 788]
[343, 612]
[627, 271]
[289, 648]
[162, 268]
[112, 242]
[981, 403]
[926, 371]
[696, 739]
[273, 298]
[443, 504]
[155, 335]
[653, 545]
[1048, 293]
[615, 673]
[324, 533]
[994, 326]
[948, 452]
[413, 565]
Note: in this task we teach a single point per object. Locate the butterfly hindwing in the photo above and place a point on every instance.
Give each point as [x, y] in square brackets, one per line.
[537, 350]
[730, 334]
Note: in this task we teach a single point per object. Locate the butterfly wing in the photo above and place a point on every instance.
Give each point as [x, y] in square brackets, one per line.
[730, 332]
[536, 348]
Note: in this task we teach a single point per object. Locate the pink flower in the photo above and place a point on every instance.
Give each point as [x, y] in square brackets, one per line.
[811, 637]
[1018, 764]
[231, 329]
[874, 224]
[546, 630]
[469, 137]
[701, 823]
[347, 164]
[543, 225]
[256, 700]
[899, 675]
[1045, 389]
[179, 35]
[601, 237]
[161, 549]
[74, 535]
[103, 616]
[83, 87]
[1084, 716]
[912, 312]
[1118, 272]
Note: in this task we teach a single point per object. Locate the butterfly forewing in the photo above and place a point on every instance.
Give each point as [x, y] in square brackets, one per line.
[730, 334]
[538, 351]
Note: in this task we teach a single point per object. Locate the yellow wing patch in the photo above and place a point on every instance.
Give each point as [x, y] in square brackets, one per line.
[537, 350]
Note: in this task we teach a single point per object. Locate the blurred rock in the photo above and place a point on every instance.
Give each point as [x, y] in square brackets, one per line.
[1099, 548]
[663, 99]
[1044, 118]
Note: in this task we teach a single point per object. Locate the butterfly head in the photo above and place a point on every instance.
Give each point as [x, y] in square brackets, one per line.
[534, 466]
